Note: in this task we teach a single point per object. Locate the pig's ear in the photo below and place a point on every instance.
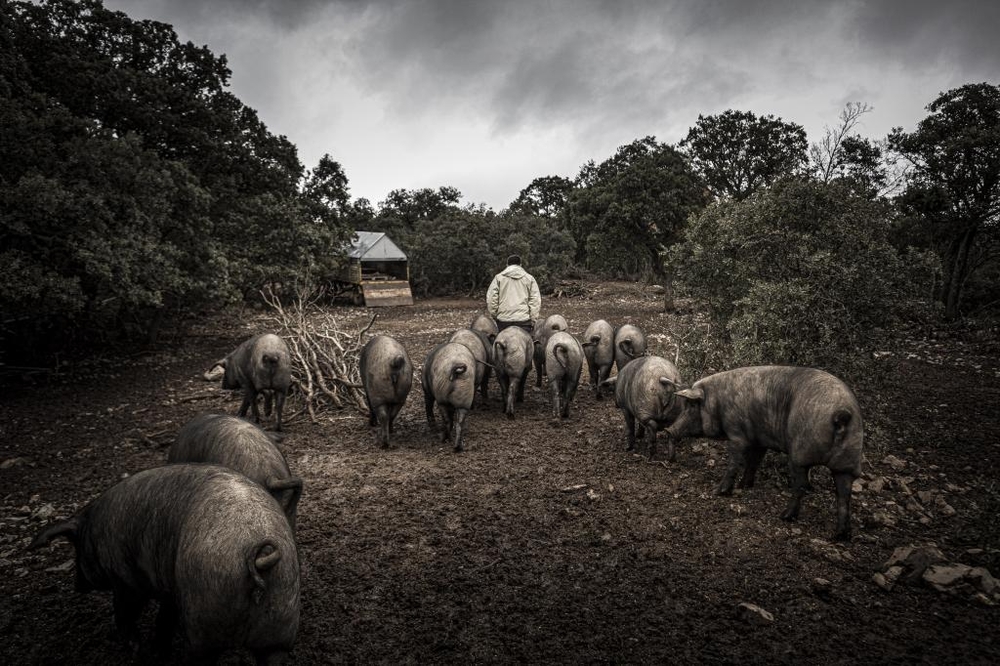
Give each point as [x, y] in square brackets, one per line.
[667, 382]
[66, 528]
[692, 394]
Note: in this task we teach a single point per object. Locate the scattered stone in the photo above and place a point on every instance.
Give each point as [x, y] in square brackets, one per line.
[883, 519]
[574, 488]
[887, 579]
[593, 495]
[858, 486]
[62, 568]
[214, 373]
[895, 463]
[710, 462]
[822, 587]
[913, 506]
[753, 614]
[914, 559]
[943, 507]
[942, 577]
[925, 496]
[12, 462]
[44, 512]
[876, 485]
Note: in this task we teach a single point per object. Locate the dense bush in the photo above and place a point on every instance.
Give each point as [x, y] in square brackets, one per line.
[133, 184]
[802, 273]
[461, 251]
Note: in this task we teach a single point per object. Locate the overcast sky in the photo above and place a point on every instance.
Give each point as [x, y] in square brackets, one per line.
[487, 96]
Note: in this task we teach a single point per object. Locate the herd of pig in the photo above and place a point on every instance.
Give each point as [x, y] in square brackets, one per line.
[210, 536]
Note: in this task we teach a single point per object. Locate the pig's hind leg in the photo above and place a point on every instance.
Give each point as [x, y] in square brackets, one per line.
[799, 477]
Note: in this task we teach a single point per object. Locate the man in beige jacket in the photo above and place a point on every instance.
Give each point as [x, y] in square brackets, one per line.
[513, 298]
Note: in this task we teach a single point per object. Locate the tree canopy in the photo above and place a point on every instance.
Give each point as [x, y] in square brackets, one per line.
[133, 183]
[737, 152]
[955, 182]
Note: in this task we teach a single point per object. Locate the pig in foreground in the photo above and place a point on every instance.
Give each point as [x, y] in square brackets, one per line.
[598, 347]
[644, 391]
[230, 441]
[386, 375]
[487, 326]
[482, 350]
[563, 364]
[807, 413]
[449, 381]
[209, 544]
[261, 364]
[544, 328]
[630, 343]
[512, 355]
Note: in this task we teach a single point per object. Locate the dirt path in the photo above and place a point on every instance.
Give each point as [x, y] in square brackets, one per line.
[543, 542]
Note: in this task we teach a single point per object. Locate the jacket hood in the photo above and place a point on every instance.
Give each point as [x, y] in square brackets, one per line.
[514, 272]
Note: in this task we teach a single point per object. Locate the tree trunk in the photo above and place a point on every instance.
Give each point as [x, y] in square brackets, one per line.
[957, 270]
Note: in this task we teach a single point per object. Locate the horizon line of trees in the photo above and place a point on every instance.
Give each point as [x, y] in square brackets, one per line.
[134, 186]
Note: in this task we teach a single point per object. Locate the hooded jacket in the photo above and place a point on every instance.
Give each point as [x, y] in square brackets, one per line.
[513, 295]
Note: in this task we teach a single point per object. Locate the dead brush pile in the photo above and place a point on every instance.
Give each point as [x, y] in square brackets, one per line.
[325, 359]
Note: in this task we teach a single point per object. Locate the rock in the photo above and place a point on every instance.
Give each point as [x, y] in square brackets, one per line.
[883, 518]
[985, 582]
[44, 512]
[925, 496]
[858, 486]
[943, 577]
[887, 579]
[914, 559]
[658, 289]
[943, 507]
[593, 495]
[876, 485]
[62, 568]
[12, 462]
[913, 506]
[753, 614]
[821, 587]
[895, 463]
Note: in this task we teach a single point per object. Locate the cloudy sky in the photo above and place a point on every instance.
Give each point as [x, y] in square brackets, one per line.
[486, 96]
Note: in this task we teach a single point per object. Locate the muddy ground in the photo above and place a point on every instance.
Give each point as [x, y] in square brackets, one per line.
[543, 542]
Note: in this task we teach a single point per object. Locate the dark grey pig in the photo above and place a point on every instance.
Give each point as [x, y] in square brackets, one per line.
[209, 544]
[544, 328]
[482, 350]
[386, 375]
[808, 414]
[598, 347]
[241, 446]
[261, 364]
[644, 391]
[630, 343]
[487, 326]
[449, 381]
[563, 364]
[512, 355]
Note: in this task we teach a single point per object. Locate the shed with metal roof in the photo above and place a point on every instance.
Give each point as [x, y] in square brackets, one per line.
[377, 272]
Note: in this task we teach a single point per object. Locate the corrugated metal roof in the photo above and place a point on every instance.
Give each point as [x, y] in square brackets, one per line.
[374, 246]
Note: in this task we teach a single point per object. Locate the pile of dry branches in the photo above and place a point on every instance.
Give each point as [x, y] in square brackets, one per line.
[324, 358]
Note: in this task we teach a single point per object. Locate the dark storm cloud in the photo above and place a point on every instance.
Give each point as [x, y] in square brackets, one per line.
[924, 32]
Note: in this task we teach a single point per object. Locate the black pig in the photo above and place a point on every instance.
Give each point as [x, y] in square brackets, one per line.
[241, 446]
[386, 375]
[209, 544]
[807, 413]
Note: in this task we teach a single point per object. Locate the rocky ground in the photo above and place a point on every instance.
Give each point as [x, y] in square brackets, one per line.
[545, 541]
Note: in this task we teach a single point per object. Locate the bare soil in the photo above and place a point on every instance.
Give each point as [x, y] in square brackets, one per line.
[545, 541]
